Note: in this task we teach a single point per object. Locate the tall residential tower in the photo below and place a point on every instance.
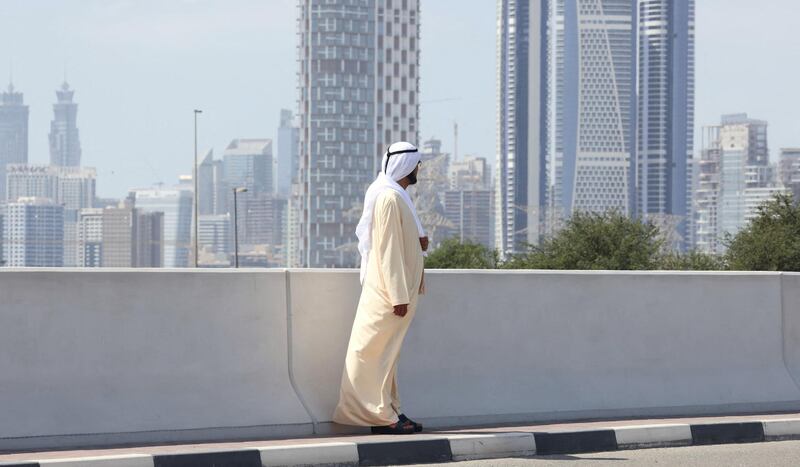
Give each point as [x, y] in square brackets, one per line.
[665, 130]
[566, 113]
[358, 86]
[521, 186]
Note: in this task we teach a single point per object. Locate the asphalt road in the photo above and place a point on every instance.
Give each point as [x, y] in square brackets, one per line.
[778, 454]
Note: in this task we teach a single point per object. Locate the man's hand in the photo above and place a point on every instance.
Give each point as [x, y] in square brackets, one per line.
[401, 310]
[423, 242]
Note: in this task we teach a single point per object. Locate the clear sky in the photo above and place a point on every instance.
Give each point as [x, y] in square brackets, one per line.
[139, 67]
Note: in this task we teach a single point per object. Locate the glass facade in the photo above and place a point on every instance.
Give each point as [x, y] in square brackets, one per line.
[665, 135]
[13, 133]
[522, 82]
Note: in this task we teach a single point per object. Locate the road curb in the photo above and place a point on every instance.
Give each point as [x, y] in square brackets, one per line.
[453, 447]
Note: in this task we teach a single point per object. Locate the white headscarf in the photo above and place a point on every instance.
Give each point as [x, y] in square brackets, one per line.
[400, 160]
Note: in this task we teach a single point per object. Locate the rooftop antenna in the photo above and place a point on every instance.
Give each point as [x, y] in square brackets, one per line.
[10, 75]
[65, 85]
[455, 141]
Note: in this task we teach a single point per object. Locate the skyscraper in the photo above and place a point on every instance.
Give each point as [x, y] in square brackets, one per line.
[211, 183]
[288, 141]
[13, 133]
[593, 105]
[743, 144]
[707, 191]
[522, 77]
[665, 135]
[65, 145]
[34, 233]
[248, 164]
[734, 176]
[358, 86]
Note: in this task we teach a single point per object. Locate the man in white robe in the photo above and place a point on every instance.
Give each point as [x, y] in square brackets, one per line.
[392, 244]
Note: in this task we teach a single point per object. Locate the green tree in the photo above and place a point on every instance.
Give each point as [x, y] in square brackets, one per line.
[771, 242]
[455, 254]
[595, 241]
[692, 261]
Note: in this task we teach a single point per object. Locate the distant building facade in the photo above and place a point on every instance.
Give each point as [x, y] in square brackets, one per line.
[176, 206]
[734, 175]
[31, 180]
[132, 238]
[470, 214]
[215, 234]
[248, 164]
[74, 187]
[117, 226]
[471, 173]
[707, 192]
[212, 197]
[469, 203]
[77, 187]
[71, 187]
[789, 170]
[89, 233]
[148, 240]
[288, 153]
[34, 233]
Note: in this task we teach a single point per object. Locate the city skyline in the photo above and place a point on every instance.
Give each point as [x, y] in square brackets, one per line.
[158, 108]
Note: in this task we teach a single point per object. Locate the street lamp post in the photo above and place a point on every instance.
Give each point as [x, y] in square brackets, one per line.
[196, 188]
[236, 225]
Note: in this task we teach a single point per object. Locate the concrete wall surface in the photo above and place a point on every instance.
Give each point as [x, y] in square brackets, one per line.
[502, 346]
[110, 356]
[146, 355]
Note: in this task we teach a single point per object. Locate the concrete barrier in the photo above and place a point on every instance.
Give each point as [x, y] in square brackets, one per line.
[790, 296]
[115, 356]
[323, 305]
[503, 346]
[96, 357]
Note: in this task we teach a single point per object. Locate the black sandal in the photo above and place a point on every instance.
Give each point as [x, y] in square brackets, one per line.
[399, 428]
[406, 420]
